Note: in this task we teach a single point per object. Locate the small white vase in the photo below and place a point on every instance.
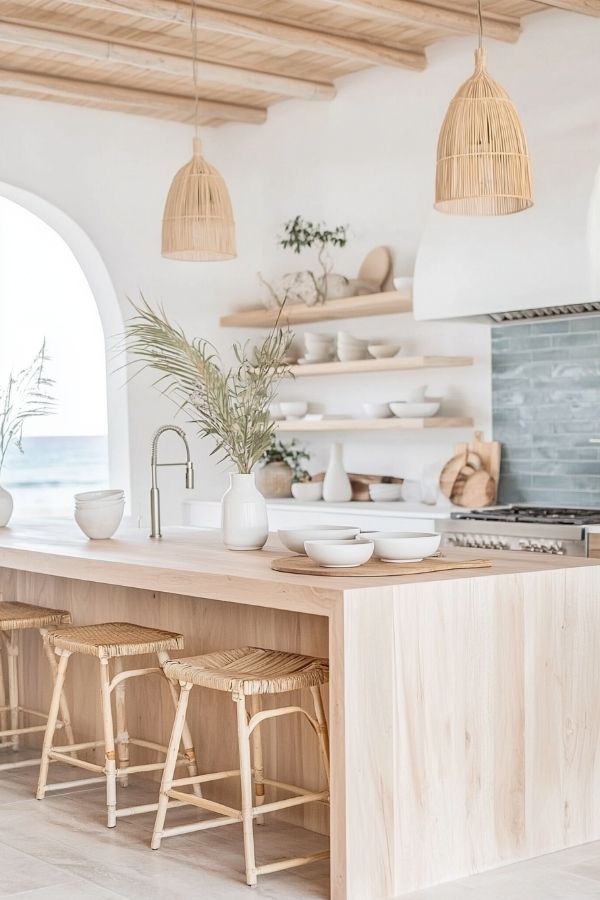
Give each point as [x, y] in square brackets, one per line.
[336, 485]
[6, 506]
[244, 523]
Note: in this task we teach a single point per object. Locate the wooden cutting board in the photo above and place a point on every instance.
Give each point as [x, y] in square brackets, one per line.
[303, 565]
[487, 451]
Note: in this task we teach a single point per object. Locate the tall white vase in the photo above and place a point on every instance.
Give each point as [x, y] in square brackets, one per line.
[6, 506]
[336, 485]
[244, 523]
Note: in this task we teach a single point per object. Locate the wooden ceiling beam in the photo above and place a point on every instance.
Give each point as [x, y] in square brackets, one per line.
[429, 15]
[148, 103]
[160, 63]
[586, 7]
[225, 21]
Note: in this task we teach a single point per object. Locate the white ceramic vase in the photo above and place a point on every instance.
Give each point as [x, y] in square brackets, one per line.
[6, 506]
[336, 485]
[244, 523]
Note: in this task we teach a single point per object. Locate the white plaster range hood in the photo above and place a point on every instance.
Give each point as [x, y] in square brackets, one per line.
[541, 263]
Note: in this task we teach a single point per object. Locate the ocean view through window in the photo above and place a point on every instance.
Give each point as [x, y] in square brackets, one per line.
[44, 296]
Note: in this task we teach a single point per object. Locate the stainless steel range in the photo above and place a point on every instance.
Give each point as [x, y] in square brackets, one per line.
[572, 532]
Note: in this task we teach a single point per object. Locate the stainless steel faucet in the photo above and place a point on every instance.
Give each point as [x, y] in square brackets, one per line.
[154, 464]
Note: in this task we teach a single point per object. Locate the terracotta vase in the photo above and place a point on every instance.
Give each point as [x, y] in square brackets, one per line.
[275, 480]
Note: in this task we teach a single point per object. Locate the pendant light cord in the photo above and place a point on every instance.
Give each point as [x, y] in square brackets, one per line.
[194, 27]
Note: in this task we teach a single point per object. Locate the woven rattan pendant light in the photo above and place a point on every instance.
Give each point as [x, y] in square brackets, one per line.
[482, 160]
[198, 219]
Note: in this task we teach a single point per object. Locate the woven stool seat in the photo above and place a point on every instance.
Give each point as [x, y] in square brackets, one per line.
[15, 615]
[113, 639]
[250, 670]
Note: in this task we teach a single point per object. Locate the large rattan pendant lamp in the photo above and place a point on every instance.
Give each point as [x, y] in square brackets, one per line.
[482, 160]
[198, 219]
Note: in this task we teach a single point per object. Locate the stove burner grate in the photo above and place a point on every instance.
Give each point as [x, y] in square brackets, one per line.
[547, 515]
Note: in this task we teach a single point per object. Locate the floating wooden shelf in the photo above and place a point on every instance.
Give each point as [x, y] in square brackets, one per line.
[299, 314]
[376, 424]
[395, 364]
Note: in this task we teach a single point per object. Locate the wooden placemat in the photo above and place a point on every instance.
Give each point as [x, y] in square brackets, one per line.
[303, 565]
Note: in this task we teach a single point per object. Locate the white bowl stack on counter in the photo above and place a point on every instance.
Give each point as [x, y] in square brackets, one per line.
[339, 546]
[99, 513]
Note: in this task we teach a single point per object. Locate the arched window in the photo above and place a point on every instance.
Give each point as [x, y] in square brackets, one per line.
[45, 296]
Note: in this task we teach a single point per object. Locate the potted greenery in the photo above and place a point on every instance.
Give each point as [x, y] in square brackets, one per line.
[23, 397]
[228, 405]
[281, 465]
[306, 286]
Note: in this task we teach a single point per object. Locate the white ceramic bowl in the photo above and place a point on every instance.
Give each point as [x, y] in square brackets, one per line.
[318, 357]
[99, 524]
[340, 554]
[350, 355]
[404, 410]
[377, 410]
[346, 340]
[293, 409]
[383, 351]
[404, 546]
[294, 538]
[275, 410]
[402, 282]
[100, 495]
[307, 490]
[99, 504]
[383, 493]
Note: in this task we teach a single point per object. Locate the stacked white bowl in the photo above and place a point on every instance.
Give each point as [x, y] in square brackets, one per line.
[350, 348]
[99, 513]
[319, 347]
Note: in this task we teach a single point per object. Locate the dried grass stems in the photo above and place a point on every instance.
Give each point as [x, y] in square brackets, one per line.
[229, 406]
[24, 396]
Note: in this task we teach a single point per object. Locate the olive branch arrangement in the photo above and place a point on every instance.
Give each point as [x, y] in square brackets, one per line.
[24, 396]
[228, 405]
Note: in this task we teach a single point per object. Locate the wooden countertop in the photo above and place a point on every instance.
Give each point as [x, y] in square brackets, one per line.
[194, 562]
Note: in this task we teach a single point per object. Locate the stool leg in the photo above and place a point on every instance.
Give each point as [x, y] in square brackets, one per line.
[186, 740]
[13, 686]
[323, 732]
[246, 785]
[3, 718]
[65, 715]
[122, 734]
[51, 723]
[257, 759]
[170, 763]
[110, 766]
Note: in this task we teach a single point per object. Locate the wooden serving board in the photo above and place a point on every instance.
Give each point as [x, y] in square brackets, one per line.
[303, 565]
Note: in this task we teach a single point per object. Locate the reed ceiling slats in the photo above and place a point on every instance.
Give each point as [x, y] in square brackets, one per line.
[135, 56]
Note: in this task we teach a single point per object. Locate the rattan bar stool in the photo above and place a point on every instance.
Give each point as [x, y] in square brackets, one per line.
[245, 672]
[14, 617]
[112, 640]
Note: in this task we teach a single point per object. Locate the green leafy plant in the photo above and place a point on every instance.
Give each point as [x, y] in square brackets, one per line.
[291, 454]
[24, 396]
[298, 234]
[228, 405]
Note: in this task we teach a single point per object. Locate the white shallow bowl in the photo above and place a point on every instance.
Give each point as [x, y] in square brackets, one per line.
[340, 554]
[350, 355]
[383, 351]
[307, 490]
[377, 410]
[99, 504]
[382, 493]
[294, 538]
[404, 410]
[99, 525]
[404, 546]
[293, 409]
[100, 495]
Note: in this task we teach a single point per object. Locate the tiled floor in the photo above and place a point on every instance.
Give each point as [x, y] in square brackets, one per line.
[59, 849]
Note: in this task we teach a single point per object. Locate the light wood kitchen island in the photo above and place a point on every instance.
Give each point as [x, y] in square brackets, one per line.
[464, 706]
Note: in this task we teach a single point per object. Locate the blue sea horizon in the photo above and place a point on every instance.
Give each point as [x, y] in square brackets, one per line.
[50, 470]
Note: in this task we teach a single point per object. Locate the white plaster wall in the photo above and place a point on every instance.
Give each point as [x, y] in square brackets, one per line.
[366, 159]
